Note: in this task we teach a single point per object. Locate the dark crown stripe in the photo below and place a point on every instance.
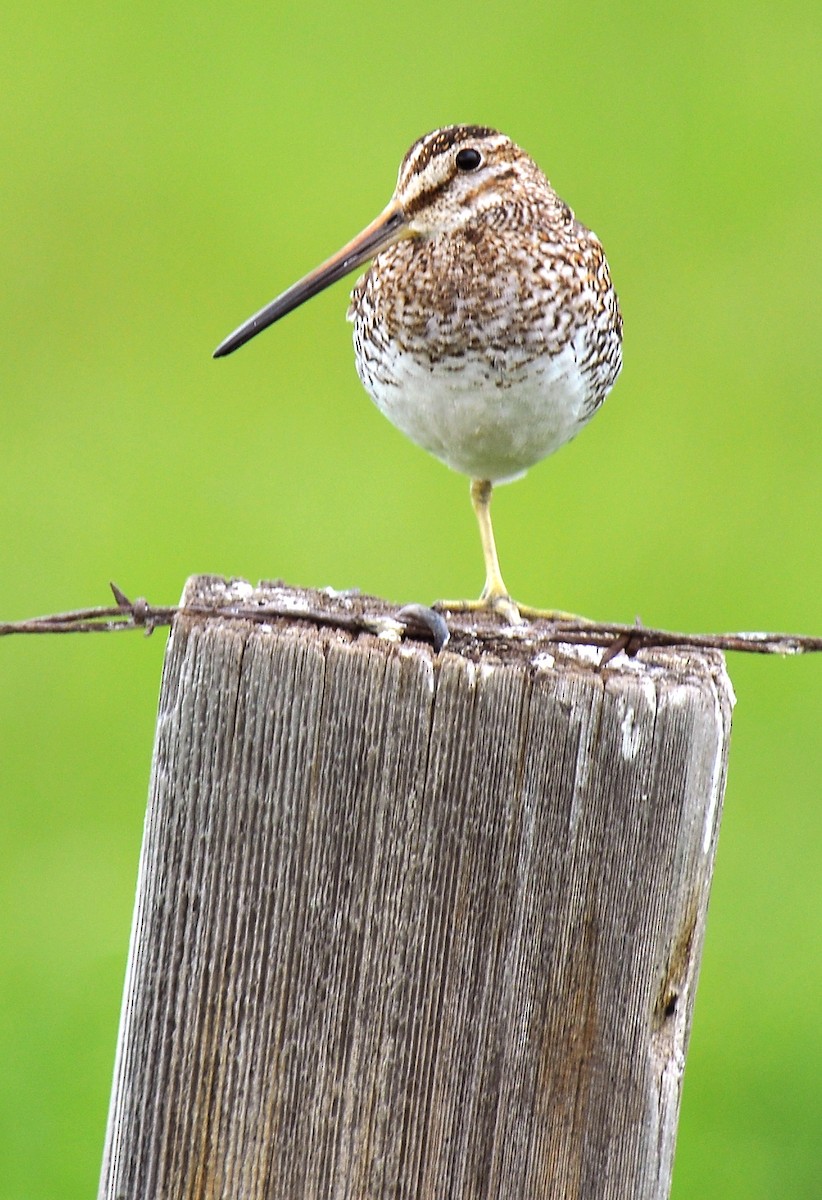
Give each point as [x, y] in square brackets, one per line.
[440, 141]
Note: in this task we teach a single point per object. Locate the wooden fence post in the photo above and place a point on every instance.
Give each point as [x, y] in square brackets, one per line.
[414, 925]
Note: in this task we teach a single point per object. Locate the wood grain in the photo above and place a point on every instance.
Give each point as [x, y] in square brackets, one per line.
[413, 925]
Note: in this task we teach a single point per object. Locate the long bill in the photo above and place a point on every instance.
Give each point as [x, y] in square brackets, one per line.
[389, 227]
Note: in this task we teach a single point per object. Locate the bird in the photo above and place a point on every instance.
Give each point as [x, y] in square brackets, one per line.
[486, 325]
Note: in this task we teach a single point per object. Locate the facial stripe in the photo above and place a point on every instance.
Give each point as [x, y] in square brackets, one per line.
[427, 195]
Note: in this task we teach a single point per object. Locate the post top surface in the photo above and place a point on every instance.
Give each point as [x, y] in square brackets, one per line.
[479, 637]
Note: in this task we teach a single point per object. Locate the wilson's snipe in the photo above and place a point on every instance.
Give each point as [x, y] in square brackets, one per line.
[487, 328]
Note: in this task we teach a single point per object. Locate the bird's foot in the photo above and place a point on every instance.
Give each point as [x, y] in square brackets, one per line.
[552, 614]
[510, 611]
[499, 603]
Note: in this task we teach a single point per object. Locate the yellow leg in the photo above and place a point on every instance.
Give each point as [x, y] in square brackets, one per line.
[495, 594]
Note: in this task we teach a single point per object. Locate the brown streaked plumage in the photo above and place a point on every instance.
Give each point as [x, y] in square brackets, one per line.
[487, 328]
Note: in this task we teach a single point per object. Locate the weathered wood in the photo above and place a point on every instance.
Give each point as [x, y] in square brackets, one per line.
[414, 925]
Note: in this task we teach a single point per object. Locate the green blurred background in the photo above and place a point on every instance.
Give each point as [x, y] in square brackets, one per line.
[169, 168]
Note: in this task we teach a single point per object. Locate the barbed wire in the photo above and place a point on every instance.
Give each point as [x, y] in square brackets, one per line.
[414, 620]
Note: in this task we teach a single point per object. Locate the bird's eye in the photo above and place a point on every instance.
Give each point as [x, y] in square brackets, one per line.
[468, 159]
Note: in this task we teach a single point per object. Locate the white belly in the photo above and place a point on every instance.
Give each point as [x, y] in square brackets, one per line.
[488, 422]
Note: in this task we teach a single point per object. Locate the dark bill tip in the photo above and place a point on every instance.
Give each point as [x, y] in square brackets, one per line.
[388, 227]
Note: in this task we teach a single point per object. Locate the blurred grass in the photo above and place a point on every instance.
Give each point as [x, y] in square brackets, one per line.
[169, 169]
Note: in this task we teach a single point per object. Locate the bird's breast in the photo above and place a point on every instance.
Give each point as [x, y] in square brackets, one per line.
[488, 357]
